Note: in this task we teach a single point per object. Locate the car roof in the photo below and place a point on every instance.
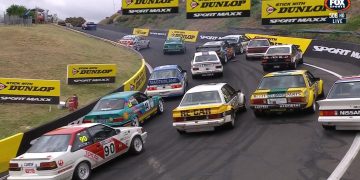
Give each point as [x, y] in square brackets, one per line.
[229, 36]
[213, 43]
[206, 87]
[205, 53]
[349, 79]
[286, 73]
[124, 94]
[71, 129]
[166, 67]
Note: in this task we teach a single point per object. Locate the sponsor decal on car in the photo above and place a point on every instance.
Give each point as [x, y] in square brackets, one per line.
[349, 113]
[196, 9]
[141, 32]
[33, 91]
[91, 73]
[189, 36]
[130, 7]
[277, 12]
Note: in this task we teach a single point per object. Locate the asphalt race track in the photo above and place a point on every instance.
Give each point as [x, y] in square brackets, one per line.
[290, 146]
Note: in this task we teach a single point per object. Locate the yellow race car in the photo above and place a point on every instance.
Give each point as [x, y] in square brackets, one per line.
[287, 91]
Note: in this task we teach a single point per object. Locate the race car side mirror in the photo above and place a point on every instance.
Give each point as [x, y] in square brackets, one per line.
[118, 131]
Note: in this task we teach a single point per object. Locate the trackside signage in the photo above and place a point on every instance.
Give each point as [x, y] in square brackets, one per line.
[31, 91]
[277, 12]
[196, 9]
[91, 73]
[189, 36]
[137, 82]
[130, 7]
[278, 40]
[141, 32]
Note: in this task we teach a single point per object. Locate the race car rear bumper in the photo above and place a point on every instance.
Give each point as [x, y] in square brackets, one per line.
[277, 65]
[341, 122]
[166, 92]
[201, 125]
[275, 107]
[254, 55]
[207, 72]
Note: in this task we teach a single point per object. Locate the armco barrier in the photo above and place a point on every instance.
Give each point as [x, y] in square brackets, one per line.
[8, 150]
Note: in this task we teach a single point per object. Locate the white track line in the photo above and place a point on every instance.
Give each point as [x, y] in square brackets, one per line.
[354, 148]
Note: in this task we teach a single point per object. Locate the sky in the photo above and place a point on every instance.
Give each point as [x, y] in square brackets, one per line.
[91, 10]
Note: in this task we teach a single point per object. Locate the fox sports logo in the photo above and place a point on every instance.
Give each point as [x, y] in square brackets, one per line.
[337, 5]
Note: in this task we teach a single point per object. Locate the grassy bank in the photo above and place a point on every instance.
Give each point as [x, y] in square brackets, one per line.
[43, 52]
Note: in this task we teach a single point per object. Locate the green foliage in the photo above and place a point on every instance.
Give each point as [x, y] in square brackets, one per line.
[353, 24]
[75, 21]
[16, 10]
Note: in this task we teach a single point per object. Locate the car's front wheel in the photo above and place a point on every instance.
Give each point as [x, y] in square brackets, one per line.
[82, 171]
[137, 145]
[160, 108]
[135, 122]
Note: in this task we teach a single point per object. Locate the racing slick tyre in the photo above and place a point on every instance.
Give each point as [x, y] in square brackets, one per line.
[266, 68]
[231, 124]
[301, 61]
[247, 58]
[293, 66]
[243, 109]
[165, 52]
[241, 50]
[312, 109]
[234, 55]
[225, 59]
[82, 171]
[220, 74]
[148, 45]
[328, 127]
[137, 145]
[135, 122]
[181, 131]
[160, 108]
[259, 114]
[194, 76]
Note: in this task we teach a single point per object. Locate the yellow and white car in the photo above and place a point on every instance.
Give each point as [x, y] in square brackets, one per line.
[287, 91]
[207, 106]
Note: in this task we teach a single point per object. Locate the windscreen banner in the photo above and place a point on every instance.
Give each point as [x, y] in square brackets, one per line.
[141, 32]
[196, 9]
[279, 40]
[30, 91]
[278, 12]
[188, 36]
[132, 7]
[91, 73]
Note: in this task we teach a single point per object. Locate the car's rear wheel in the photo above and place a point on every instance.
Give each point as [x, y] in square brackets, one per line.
[194, 76]
[135, 122]
[322, 94]
[148, 45]
[266, 68]
[328, 127]
[258, 114]
[137, 145]
[241, 50]
[231, 124]
[301, 61]
[160, 108]
[82, 171]
[247, 58]
[294, 65]
[312, 109]
[180, 131]
[234, 54]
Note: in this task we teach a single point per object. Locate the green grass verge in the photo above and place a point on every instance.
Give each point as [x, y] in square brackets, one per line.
[43, 52]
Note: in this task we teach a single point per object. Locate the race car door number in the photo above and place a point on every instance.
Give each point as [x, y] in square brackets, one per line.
[277, 101]
[109, 149]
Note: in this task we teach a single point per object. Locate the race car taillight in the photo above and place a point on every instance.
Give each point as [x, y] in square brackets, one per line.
[218, 67]
[131, 42]
[178, 119]
[195, 69]
[47, 166]
[87, 121]
[14, 167]
[174, 86]
[119, 119]
[296, 99]
[258, 101]
[328, 113]
[152, 88]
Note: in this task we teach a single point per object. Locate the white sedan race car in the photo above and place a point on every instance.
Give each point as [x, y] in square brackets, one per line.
[206, 63]
[341, 108]
[73, 151]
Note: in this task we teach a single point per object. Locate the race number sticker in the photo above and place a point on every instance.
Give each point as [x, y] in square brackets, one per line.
[147, 105]
[109, 149]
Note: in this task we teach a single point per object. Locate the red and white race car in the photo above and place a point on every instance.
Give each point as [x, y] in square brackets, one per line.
[73, 151]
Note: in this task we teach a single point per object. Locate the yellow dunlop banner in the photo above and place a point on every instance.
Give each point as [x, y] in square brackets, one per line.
[189, 36]
[32, 91]
[196, 9]
[91, 73]
[130, 7]
[277, 12]
[137, 82]
[141, 32]
[278, 40]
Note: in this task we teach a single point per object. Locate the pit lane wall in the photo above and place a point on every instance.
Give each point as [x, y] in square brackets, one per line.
[18, 144]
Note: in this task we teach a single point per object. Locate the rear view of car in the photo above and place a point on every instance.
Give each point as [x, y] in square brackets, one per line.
[174, 44]
[89, 26]
[257, 48]
[167, 81]
[206, 63]
[128, 41]
[281, 57]
[222, 49]
[341, 108]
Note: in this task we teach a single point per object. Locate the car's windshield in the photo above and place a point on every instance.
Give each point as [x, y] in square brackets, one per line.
[345, 90]
[230, 39]
[278, 82]
[198, 98]
[164, 74]
[50, 143]
[278, 50]
[257, 43]
[110, 104]
[203, 58]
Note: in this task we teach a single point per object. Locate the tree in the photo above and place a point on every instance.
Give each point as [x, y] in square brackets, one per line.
[75, 21]
[16, 10]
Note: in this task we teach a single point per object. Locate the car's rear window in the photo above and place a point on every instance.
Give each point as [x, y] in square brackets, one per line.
[203, 58]
[345, 90]
[278, 50]
[164, 74]
[257, 43]
[50, 143]
[199, 98]
[128, 38]
[230, 39]
[110, 104]
[279, 82]
[210, 48]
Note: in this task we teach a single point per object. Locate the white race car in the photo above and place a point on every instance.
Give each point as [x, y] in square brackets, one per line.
[73, 151]
[206, 63]
[341, 108]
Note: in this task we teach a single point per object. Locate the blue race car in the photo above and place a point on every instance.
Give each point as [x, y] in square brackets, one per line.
[129, 108]
[167, 81]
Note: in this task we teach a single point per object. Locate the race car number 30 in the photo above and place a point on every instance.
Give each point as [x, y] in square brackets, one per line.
[109, 149]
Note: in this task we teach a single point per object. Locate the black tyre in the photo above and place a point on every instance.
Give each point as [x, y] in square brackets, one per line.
[220, 74]
[148, 45]
[194, 76]
[266, 68]
[293, 66]
[82, 171]
[301, 61]
[160, 108]
[322, 94]
[165, 52]
[312, 109]
[181, 132]
[231, 124]
[328, 127]
[247, 58]
[137, 145]
[259, 114]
